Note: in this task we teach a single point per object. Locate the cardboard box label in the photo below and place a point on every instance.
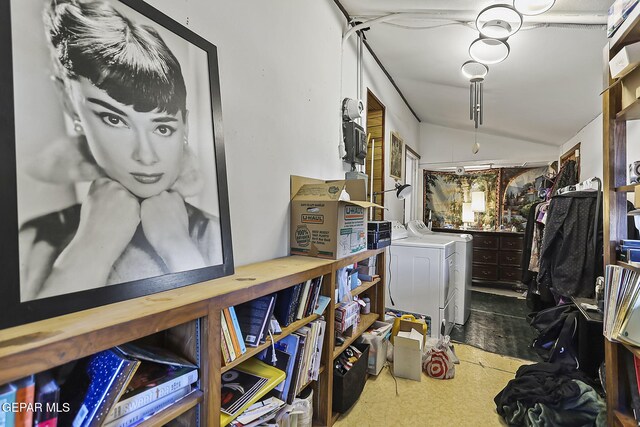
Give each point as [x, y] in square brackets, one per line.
[303, 236]
[353, 212]
[312, 219]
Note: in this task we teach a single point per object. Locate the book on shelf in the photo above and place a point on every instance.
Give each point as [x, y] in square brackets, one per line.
[160, 374]
[260, 413]
[226, 339]
[622, 305]
[303, 299]
[237, 330]
[141, 413]
[630, 366]
[244, 385]
[7, 398]
[281, 362]
[47, 398]
[25, 395]
[286, 305]
[289, 346]
[232, 332]
[253, 317]
[94, 386]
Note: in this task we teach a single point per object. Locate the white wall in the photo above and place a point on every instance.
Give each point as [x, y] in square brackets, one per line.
[280, 72]
[444, 147]
[590, 139]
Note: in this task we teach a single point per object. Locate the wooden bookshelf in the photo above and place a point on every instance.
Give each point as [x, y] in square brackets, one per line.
[633, 349]
[172, 412]
[366, 320]
[174, 317]
[615, 190]
[252, 351]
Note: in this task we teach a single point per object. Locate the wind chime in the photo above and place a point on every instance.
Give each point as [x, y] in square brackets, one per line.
[476, 73]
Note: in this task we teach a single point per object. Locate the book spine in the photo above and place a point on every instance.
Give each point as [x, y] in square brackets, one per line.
[136, 416]
[140, 400]
[227, 338]
[295, 301]
[7, 399]
[232, 333]
[25, 396]
[223, 348]
[236, 326]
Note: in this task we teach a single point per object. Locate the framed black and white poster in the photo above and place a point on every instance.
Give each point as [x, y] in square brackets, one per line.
[113, 178]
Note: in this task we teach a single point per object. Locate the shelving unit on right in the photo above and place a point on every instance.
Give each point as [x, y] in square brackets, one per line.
[616, 189]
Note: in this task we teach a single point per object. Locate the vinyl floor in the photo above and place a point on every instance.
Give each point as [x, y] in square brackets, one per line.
[498, 324]
[465, 400]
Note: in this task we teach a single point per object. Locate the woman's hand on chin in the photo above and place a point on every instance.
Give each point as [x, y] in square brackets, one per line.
[166, 226]
[108, 220]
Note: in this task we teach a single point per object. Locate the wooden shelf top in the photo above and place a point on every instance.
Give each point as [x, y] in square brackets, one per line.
[627, 33]
[175, 410]
[627, 265]
[627, 188]
[366, 320]
[631, 112]
[357, 257]
[365, 286]
[252, 351]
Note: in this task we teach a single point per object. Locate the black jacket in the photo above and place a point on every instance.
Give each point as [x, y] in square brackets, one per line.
[570, 260]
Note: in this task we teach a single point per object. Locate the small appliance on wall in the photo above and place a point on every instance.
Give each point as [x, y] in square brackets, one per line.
[355, 143]
[634, 172]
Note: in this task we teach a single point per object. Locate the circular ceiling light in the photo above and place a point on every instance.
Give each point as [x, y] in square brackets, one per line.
[474, 71]
[488, 50]
[533, 7]
[498, 21]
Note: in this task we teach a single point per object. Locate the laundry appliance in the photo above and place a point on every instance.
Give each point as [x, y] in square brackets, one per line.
[421, 278]
[463, 264]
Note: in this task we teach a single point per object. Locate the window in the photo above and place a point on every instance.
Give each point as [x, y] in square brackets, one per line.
[411, 173]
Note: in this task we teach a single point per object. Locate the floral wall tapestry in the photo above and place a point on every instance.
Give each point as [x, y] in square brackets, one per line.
[445, 192]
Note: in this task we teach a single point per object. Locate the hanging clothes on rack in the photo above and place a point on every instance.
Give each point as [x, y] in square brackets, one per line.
[571, 254]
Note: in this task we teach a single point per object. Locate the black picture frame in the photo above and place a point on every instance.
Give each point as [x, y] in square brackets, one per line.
[13, 312]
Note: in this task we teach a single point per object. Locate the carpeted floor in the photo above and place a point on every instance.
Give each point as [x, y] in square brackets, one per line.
[498, 324]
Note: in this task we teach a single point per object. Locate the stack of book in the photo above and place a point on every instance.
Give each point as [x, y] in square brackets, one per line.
[244, 385]
[118, 387]
[299, 356]
[622, 305]
[298, 302]
[233, 345]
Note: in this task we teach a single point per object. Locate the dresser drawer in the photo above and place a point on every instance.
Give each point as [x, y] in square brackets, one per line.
[483, 241]
[485, 256]
[510, 274]
[510, 258]
[485, 272]
[511, 243]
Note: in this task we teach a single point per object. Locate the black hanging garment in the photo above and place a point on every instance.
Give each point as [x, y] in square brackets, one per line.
[570, 258]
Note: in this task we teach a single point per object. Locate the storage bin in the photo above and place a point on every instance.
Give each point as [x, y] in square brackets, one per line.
[378, 346]
[348, 387]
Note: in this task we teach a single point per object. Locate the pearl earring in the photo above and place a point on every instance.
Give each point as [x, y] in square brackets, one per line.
[77, 126]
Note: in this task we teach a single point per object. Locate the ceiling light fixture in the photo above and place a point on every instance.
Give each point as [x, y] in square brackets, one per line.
[533, 7]
[498, 21]
[489, 50]
[474, 70]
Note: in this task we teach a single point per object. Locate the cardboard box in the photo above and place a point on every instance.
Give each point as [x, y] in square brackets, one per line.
[378, 340]
[328, 218]
[625, 60]
[407, 355]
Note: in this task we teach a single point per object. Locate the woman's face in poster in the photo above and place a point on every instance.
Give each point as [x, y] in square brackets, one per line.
[141, 150]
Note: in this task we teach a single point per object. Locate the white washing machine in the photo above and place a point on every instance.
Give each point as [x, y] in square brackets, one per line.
[463, 264]
[421, 278]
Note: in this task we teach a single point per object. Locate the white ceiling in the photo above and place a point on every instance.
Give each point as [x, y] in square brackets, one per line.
[545, 91]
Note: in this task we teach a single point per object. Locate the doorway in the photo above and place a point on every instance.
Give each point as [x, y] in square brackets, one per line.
[375, 150]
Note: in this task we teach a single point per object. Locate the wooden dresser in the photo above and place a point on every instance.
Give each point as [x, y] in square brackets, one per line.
[496, 256]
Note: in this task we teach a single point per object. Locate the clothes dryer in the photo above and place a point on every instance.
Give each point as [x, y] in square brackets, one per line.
[421, 279]
[463, 264]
